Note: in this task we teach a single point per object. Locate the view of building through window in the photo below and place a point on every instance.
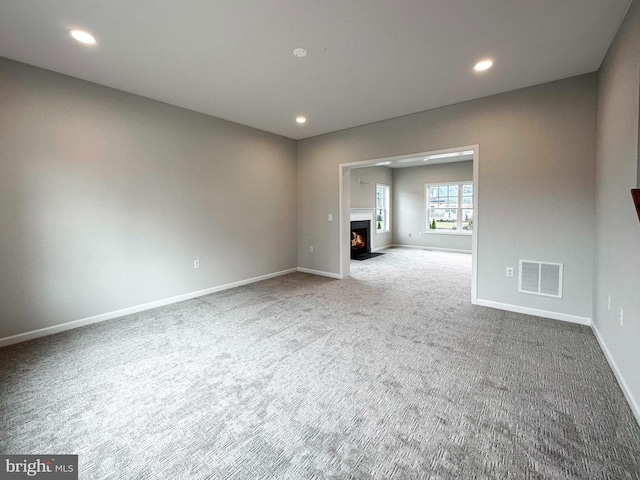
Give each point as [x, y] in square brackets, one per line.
[450, 207]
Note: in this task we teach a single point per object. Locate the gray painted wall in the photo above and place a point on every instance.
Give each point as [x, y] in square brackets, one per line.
[409, 204]
[536, 183]
[107, 198]
[365, 198]
[617, 259]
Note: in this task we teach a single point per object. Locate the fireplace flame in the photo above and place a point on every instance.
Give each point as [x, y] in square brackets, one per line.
[357, 240]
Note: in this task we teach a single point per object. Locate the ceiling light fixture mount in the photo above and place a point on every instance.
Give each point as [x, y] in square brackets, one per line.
[83, 37]
[300, 52]
[483, 65]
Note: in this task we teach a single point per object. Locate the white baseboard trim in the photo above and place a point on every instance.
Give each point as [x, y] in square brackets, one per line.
[426, 247]
[384, 247]
[319, 272]
[635, 407]
[43, 332]
[565, 317]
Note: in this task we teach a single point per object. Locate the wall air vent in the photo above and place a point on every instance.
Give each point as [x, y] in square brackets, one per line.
[540, 278]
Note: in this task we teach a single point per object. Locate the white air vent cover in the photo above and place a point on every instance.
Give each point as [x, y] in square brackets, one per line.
[540, 278]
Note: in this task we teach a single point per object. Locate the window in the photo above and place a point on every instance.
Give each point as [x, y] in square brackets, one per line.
[450, 207]
[383, 223]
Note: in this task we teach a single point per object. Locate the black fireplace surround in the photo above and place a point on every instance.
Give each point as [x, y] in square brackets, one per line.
[360, 237]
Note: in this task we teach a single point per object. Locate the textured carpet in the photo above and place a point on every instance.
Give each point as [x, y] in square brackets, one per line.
[388, 374]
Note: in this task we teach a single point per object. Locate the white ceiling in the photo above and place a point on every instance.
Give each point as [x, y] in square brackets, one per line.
[368, 60]
[407, 161]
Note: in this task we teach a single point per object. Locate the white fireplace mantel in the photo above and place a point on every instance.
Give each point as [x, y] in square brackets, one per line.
[362, 215]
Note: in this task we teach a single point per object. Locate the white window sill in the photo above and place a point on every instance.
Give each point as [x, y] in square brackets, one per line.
[382, 231]
[445, 232]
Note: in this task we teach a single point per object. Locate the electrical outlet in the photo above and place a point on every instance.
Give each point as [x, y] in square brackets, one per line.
[310, 249]
[621, 316]
[509, 272]
[330, 217]
[196, 264]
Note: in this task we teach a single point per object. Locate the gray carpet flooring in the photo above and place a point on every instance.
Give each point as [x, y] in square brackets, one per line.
[388, 374]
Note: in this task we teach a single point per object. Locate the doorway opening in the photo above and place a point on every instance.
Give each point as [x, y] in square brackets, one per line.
[450, 155]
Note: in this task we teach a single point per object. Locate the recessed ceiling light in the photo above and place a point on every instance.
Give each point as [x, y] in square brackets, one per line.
[83, 37]
[301, 119]
[483, 65]
[300, 52]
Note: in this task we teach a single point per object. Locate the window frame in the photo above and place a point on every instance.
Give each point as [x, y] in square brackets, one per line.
[387, 209]
[459, 208]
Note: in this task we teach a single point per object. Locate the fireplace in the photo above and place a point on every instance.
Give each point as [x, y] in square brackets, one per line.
[360, 237]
